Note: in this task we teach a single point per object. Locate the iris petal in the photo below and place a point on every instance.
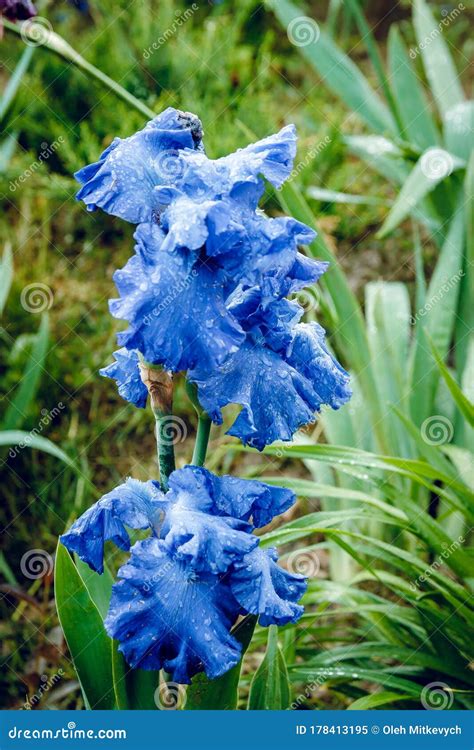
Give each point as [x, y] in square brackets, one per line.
[122, 182]
[166, 616]
[135, 504]
[126, 373]
[263, 588]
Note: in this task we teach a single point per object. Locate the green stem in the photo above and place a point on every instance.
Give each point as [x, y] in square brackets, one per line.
[202, 439]
[41, 36]
[165, 447]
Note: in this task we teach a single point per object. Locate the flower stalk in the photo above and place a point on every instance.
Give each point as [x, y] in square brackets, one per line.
[160, 387]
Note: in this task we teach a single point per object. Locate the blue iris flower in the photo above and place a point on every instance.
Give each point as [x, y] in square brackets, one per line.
[184, 586]
[206, 290]
[125, 371]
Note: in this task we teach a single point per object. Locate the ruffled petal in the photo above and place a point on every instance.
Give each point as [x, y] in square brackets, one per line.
[166, 616]
[310, 356]
[250, 500]
[276, 399]
[271, 157]
[122, 182]
[175, 307]
[126, 373]
[263, 588]
[194, 488]
[135, 504]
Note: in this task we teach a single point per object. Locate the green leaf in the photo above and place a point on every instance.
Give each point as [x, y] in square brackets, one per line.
[15, 81]
[437, 318]
[6, 275]
[375, 700]
[462, 402]
[333, 196]
[98, 586]
[270, 687]
[26, 391]
[20, 439]
[337, 70]
[387, 307]
[221, 693]
[433, 166]
[459, 129]
[88, 643]
[138, 689]
[418, 124]
[438, 63]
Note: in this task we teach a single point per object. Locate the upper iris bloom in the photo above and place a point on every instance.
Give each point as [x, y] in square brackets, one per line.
[205, 291]
[183, 588]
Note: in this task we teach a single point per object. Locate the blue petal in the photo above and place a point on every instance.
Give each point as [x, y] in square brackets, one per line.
[272, 157]
[279, 391]
[275, 397]
[135, 504]
[263, 588]
[166, 616]
[125, 371]
[175, 307]
[310, 356]
[194, 488]
[122, 182]
[250, 500]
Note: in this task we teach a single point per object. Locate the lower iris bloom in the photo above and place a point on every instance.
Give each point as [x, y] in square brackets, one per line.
[184, 586]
